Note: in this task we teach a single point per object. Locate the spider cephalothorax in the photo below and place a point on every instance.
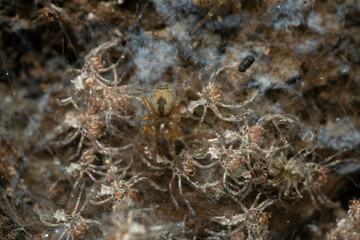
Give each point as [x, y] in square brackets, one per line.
[162, 121]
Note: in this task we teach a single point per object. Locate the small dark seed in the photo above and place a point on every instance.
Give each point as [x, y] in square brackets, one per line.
[246, 63]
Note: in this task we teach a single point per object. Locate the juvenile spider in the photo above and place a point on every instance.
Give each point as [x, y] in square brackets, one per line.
[295, 175]
[73, 225]
[253, 220]
[162, 121]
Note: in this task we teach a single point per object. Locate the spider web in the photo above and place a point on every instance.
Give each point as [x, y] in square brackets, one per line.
[213, 47]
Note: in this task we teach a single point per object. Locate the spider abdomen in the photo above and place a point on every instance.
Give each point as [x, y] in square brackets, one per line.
[163, 99]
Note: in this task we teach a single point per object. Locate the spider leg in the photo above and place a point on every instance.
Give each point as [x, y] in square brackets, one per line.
[65, 101]
[176, 117]
[181, 95]
[181, 193]
[148, 105]
[204, 113]
[224, 182]
[101, 48]
[209, 15]
[189, 206]
[202, 187]
[101, 78]
[63, 234]
[313, 199]
[78, 203]
[79, 178]
[253, 96]
[204, 166]
[68, 140]
[101, 202]
[144, 129]
[171, 193]
[90, 175]
[153, 149]
[170, 138]
[176, 131]
[146, 118]
[116, 76]
[80, 145]
[219, 115]
[236, 6]
[152, 183]
[150, 165]
[102, 70]
[192, 105]
[295, 185]
[49, 224]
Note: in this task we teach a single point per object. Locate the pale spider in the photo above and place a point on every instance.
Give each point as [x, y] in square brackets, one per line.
[253, 220]
[184, 172]
[119, 190]
[162, 121]
[241, 167]
[288, 174]
[210, 98]
[94, 66]
[86, 122]
[81, 123]
[85, 166]
[74, 225]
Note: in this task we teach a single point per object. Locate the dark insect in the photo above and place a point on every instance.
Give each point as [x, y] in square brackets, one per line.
[246, 63]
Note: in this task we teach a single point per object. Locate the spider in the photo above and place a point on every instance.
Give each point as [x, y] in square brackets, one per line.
[74, 225]
[240, 165]
[184, 172]
[288, 174]
[87, 122]
[211, 95]
[254, 219]
[85, 166]
[94, 65]
[210, 98]
[81, 123]
[120, 189]
[162, 121]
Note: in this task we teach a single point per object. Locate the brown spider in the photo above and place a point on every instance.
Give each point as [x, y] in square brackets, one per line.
[162, 121]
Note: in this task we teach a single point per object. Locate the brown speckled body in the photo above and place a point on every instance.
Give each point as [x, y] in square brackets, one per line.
[162, 99]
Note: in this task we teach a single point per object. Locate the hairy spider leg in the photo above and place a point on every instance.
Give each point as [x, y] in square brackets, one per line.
[151, 132]
[152, 183]
[67, 140]
[209, 15]
[103, 70]
[148, 105]
[181, 193]
[143, 118]
[93, 168]
[236, 6]
[181, 95]
[170, 139]
[204, 113]
[172, 194]
[176, 130]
